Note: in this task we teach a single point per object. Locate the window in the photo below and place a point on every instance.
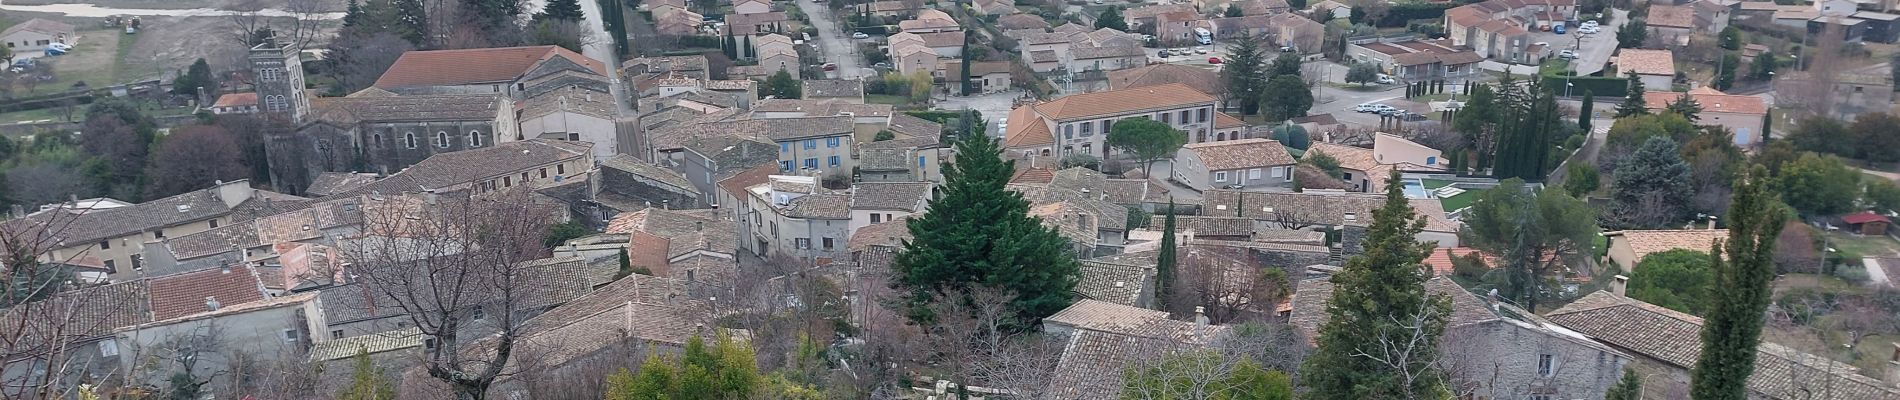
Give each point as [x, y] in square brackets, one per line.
[409, 139]
[1253, 173]
[336, 334]
[1184, 116]
[920, 161]
[831, 142]
[441, 139]
[784, 147]
[524, 177]
[1203, 117]
[474, 139]
[158, 234]
[376, 139]
[1540, 397]
[138, 262]
[112, 266]
[275, 103]
[109, 348]
[1546, 365]
[784, 166]
[267, 74]
[1431, 160]
[802, 243]
[1088, 128]
[1220, 176]
[1219, 136]
[811, 144]
[544, 173]
[827, 243]
[477, 313]
[833, 161]
[214, 222]
[105, 245]
[573, 136]
[560, 169]
[1277, 172]
[876, 218]
[811, 163]
[290, 335]
[1106, 124]
[1068, 131]
[1164, 118]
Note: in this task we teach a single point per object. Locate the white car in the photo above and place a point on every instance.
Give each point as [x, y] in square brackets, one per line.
[859, 35]
[1590, 23]
[1386, 79]
[1200, 50]
[1587, 30]
[1366, 107]
[1567, 55]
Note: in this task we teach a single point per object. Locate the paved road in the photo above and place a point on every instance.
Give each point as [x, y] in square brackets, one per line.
[1595, 49]
[832, 42]
[600, 46]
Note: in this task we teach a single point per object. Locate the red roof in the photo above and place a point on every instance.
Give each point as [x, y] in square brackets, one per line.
[1863, 217]
[185, 294]
[466, 66]
[237, 99]
[1440, 259]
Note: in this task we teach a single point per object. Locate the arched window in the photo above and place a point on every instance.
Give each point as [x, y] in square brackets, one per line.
[275, 103]
[409, 139]
[474, 139]
[442, 139]
[376, 139]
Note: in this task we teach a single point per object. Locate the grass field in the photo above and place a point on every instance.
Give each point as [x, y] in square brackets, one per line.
[1855, 246]
[40, 115]
[94, 61]
[1452, 203]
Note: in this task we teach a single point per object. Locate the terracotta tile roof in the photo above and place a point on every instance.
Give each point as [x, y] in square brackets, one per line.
[1864, 217]
[1223, 121]
[470, 66]
[1150, 11]
[1675, 338]
[1113, 282]
[237, 100]
[905, 124]
[1080, 225]
[980, 68]
[637, 167]
[188, 293]
[1240, 154]
[684, 231]
[887, 234]
[1668, 16]
[77, 316]
[1106, 317]
[1710, 100]
[1033, 175]
[905, 196]
[1203, 225]
[1311, 298]
[84, 225]
[329, 183]
[338, 349]
[1350, 157]
[1646, 62]
[1093, 363]
[1318, 208]
[737, 184]
[820, 206]
[1022, 21]
[1029, 129]
[1440, 260]
[448, 170]
[1124, 101]
[1204, 80]
[831, 88]
[1646, 242]
[430, 108]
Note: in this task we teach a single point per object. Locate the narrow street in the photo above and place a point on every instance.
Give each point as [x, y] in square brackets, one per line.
[835, 46]
[600, 46]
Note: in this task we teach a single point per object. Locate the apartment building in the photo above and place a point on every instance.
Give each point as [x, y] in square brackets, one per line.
[794, 216]
[1079, 124]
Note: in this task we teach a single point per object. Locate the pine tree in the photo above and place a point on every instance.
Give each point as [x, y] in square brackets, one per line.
[1630, 388]
[563, 10]
[1164, 260]
[1738, 296]
[1652, 189]
[1112, 19]
[980, 234]
[413, 21]
[1241, 73]
[1583, 111]
[351, 14]
[1373, 296]
[368, 383]
[1633, 103]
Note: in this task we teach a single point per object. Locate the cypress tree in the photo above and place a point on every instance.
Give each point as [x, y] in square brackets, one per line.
[563, 10]
[1630, 388]
[968, 87]
[1739, 293]
[1377, 293]
[1164, 260]
[1584, 111]
[368, 382]
[413, 20]
[980, 234]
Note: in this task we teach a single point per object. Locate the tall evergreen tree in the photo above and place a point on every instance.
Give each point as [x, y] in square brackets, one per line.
[563, 10]
[1376, 298]
[1633, 103]
[981, 234]
[1242, 72]
[1584, 110]
[1630, 388]
[1739, 295]
[1112, 19]
[351, 13]
[413, 21]
[967, 87]
[1164, 259]
[1652, 189]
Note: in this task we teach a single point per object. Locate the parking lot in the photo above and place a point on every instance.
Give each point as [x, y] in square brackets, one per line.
[1592, 50]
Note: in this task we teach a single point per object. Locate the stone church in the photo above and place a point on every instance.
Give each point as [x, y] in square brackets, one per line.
[428, 103]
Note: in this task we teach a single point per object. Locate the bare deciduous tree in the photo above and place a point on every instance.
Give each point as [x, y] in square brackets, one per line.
[308, 16]
[246, 22]
[41, 325]
[454, 265]
[1408, 348]
[1224, 288]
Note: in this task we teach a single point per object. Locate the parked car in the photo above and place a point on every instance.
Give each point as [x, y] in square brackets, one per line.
[1411, 117]
[1200, 50]
[1391, 111]
[1366, 107]
[859, 35]
[1213, 60]
[1587, 30]
[1386, 79]
[1590, 23]
[1558, 29]
[1567, 54]
[1162, 54]
[831, 66]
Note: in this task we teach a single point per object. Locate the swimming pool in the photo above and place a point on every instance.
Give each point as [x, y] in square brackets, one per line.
[1415, 189]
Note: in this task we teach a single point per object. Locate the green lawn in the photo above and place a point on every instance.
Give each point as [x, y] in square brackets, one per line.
[1554, 66]
[1435, 183]
[1852, 246]
[43, 114]
[1462, 200]
[886, 99]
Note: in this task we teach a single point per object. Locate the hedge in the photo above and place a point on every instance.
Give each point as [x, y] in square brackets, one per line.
[1601, 86]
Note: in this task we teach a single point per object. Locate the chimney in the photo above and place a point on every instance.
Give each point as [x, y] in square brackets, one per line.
[428, 196]
[1492, 297]
[1712, 222]
[211, 303]
[1619, 285]
[1200, 316]
[225, 269]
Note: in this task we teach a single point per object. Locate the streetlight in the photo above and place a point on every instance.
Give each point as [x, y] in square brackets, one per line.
[1567, 86]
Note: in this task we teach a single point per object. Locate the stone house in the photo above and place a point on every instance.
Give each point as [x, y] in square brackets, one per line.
[35, 34]
[1294, 211]
[877, 202]
[751, 6]
[910, 159]
[1495, 350]
[794, 216]
[1248, 163]
[838, 90]
[235, 103]
[112, 234]
[278, 328]
[1743, 116]
[1079, 124]
[1628, 247]
[1656, 68]
[986, 76]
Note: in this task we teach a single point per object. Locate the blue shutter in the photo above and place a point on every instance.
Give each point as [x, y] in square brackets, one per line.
[785, 166]
[811, 163]
[1431, 160]
[833, 161]
[920, 161]
[784, 147]
[831, 142]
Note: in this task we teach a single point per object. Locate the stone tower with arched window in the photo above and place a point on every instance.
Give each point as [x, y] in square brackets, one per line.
[277, 73]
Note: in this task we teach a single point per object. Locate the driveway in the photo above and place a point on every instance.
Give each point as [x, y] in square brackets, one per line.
[994, 106]
[1594, 50]
[834, 45]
